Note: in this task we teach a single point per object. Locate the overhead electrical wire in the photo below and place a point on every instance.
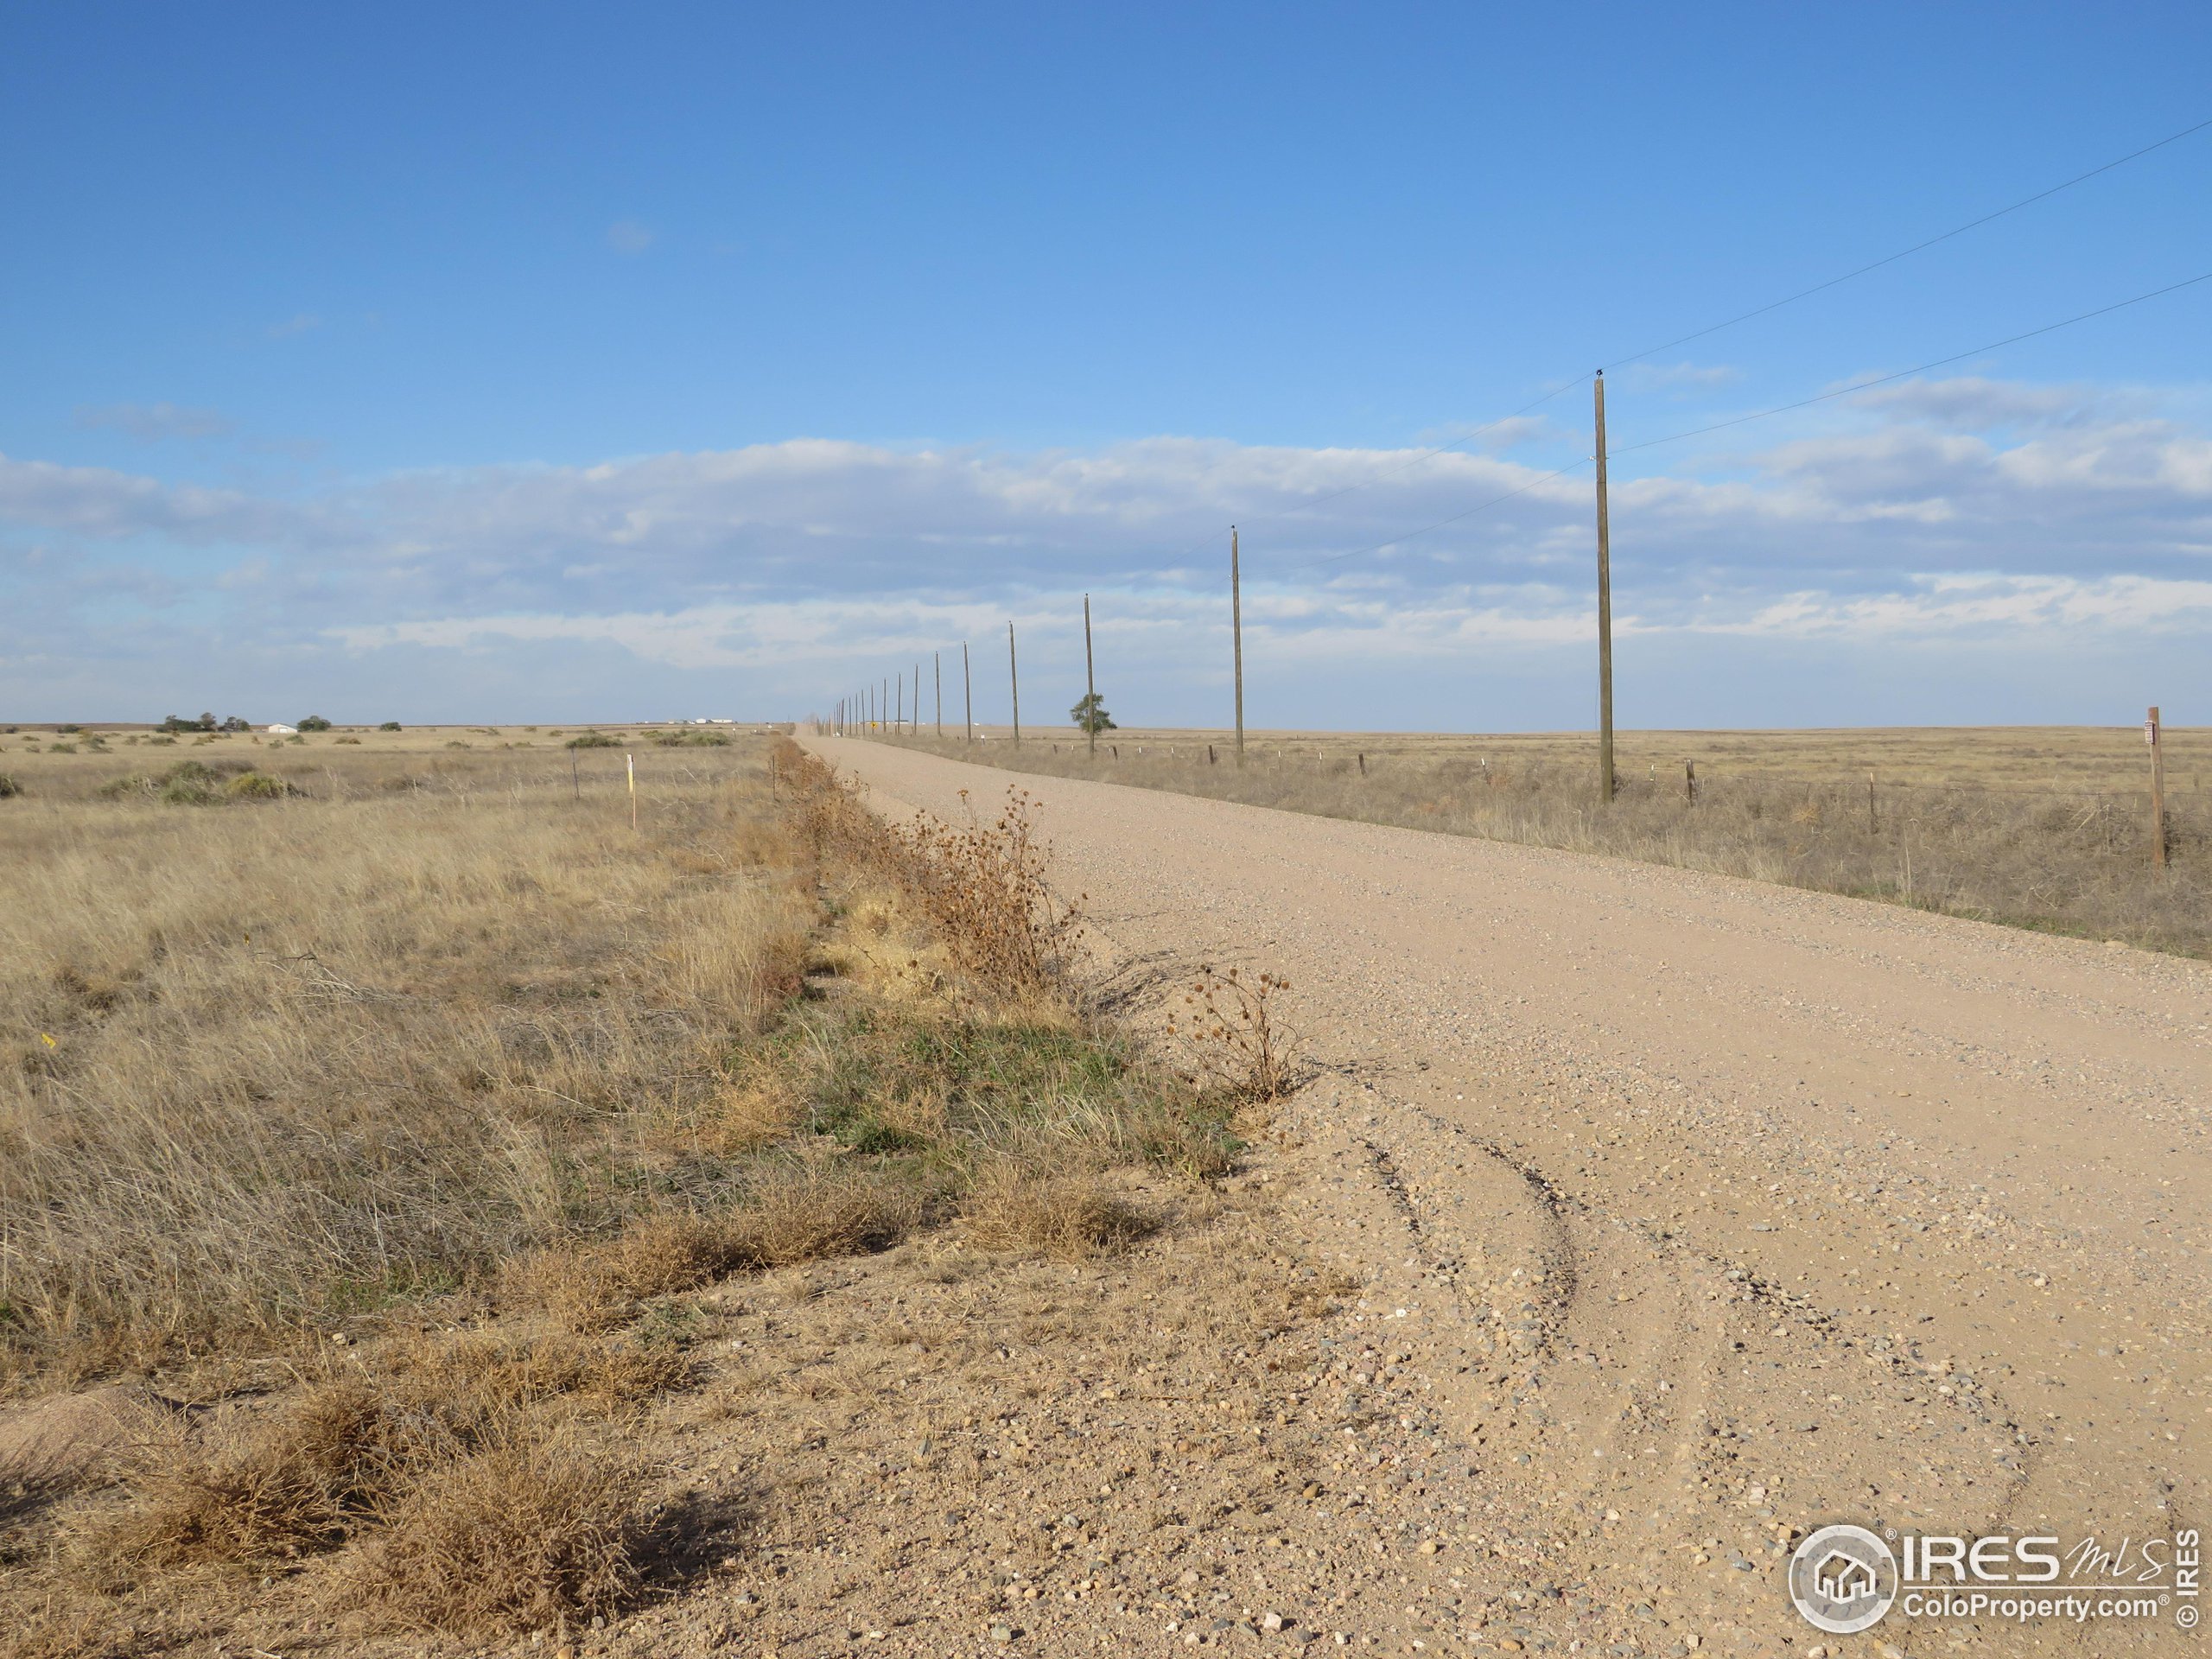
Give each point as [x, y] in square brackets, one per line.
[1729, 322]
[1781, 409]
[1921, 368]
[1917, 247]
[1714, 328]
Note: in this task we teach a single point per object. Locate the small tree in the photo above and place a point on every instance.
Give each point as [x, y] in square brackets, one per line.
[314, 723]
[235, 723]
[389, 726]
[1090, 715]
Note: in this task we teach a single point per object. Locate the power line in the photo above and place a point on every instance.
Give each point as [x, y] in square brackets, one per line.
[1729, 322]
[1783, 409]
[1917, 247]
[1922, 368]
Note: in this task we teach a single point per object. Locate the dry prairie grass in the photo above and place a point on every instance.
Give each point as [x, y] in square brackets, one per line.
[271, 1065]
[391, 1126]
[2040, 827]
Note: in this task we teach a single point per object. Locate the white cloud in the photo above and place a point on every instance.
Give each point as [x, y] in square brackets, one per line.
[149, 423]
[300, 323]
[1961, 607]
[101, 503]
[628, 236]
[1909, 519]
[1973, 403]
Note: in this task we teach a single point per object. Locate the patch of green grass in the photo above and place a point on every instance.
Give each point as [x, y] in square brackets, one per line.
[946, 1089]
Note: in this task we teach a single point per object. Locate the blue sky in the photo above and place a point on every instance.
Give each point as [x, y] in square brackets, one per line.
[559, 363]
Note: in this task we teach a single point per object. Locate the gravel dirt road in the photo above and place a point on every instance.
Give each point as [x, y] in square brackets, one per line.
[1703, 1210]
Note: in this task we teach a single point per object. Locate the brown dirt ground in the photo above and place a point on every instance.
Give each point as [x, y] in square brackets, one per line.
[1714, 1210]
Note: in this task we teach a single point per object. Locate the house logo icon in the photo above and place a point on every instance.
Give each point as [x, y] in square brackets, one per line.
[1843, 1579]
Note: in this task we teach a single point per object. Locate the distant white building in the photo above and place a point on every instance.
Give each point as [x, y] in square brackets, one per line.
[282, 731]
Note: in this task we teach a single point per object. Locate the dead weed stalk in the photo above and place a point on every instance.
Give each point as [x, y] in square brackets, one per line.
[1227, 1024]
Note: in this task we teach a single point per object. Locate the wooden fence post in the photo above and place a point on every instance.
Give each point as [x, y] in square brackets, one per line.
[2150, 735]
[1689, 782]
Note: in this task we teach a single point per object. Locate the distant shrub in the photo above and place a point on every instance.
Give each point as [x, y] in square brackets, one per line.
[189, 783]
[690, 740]
[175, 723]
[189, 792]
[350, 740]
[8, 787]
[314, 723]
[167, 743]
[455, 743]
[257, 786]
[61, 748]
[64, 731]
[592, 741]
[389, 726]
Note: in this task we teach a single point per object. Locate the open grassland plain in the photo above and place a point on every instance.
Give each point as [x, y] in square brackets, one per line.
[2047, 827]
[436, 1217]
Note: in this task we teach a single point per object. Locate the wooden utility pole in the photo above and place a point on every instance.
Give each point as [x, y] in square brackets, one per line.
[1236, 638]
[936, 667]
[914, 727]
[1604, 613]
[884, 707]
[2152, 735]
[630, 762]
[967, 692]
[899, 709]
[1090, 682]
[1013, 678]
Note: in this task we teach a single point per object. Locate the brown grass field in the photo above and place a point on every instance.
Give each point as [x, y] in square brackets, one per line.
[436, 1217]
[2041, 827]
[372, 1130]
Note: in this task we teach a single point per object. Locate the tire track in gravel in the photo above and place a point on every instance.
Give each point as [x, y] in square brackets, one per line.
[1742, 1208]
